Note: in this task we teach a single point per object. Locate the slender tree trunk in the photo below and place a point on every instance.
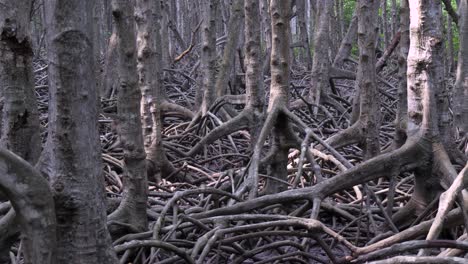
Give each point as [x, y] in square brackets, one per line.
[366, 76]
[385, 24]
[394, 21]
[229, 54]
[72, 155]
[173, 19]
[109, 76]
[312, 19]
[301, 20]
[461, 83]
[208, 58]
[253, 63]
[321, 63]
[334, 26]
[132, 209]
[151, 85]
[450, 57]
[402, 108]
[347, 43]
[341, 17]
[266, 24]
[164, 34]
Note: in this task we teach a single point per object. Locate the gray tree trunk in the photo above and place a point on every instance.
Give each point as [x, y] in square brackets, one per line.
[347, 43]
[402, 109]
[72, 154]
[109, 77]
[321, 63]
[20, 131]
[461, 83]
[304, 38]
[229, 53]
[208, 57]
[19, 123]
[266, 24]
[279, 92]
[31, 197]
[151, 84]
[132, 208]
[253, 63]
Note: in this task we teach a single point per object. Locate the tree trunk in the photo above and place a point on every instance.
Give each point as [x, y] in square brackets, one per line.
[20, 131]
[450, 57]
[385, 24]
[425, 80]
[301, 20]
[151, 85]
[208, 57]
[132, 209]
[164, 34]
[461, 83]
[72, 154]
[266, 24]
[402, 108]
[321, 63]
[31, 197]
[366, 76]
[279, 93]
[253, 63]
[394, 17]
[109, 76]
[19, 124]
[347, 43]
[234, 27]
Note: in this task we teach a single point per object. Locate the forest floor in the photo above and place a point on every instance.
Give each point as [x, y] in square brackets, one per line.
[204, 182]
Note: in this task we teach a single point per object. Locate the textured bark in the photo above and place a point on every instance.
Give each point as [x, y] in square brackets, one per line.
[150, 82]
[266, 24]
[164, 33]
[234, 27]
[401, 115]
[72, 155]
[19, 124]
[425, 80]
[20, 131]
[253, 63]
[173, 18]
[301, 20]
[279, 92]
[321, 63]
[366, 76]
[31, 197]
[425, 47]
[461, 83]
[208, 57]
[450, 51]
[132, 208]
